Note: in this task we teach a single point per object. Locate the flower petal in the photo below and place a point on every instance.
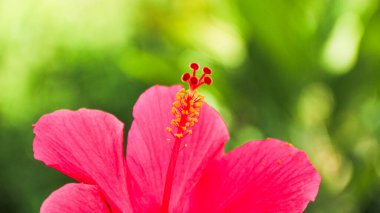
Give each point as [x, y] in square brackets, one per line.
[75, 198]
[260, 176]
[86, 145]
[148, 151]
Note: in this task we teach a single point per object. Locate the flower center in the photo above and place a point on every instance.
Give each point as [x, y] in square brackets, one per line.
[186, 111]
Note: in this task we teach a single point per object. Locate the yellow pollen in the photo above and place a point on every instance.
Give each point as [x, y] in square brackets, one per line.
[174, 123]
[174, 111]
[185, 110]
[178, 135]
[176, 104]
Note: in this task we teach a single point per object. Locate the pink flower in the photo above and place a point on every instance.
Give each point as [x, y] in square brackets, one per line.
[188, 173]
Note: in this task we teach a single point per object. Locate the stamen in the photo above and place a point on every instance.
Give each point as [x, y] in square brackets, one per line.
[178, 135]
[186, 112]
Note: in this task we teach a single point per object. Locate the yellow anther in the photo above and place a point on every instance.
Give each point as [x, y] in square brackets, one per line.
[184, 128]
[176, 104]
[169, 129]
[174, 123]
[189, 131]
[198, 104]
[192, 119]
[187, 124]
[178, 135]
[179, 96]
[174, 111]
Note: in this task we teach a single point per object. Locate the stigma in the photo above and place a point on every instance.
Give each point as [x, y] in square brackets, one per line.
[186, 108]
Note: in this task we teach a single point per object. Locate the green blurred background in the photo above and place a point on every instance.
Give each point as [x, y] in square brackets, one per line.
[305, 71]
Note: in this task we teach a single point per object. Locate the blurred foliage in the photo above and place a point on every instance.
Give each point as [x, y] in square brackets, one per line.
[302, 71]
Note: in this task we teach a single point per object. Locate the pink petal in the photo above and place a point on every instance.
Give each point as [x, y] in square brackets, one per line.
[148, 152]
[75, 198]
[260, 176]
[86, 145]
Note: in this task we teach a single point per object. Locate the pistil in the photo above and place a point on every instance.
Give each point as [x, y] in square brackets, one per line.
[185, 110]
[170, 176]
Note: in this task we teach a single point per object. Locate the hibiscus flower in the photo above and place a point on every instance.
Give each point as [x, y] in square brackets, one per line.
[175, 160]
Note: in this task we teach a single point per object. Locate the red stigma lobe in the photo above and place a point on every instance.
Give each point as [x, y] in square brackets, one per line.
[195, 82]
